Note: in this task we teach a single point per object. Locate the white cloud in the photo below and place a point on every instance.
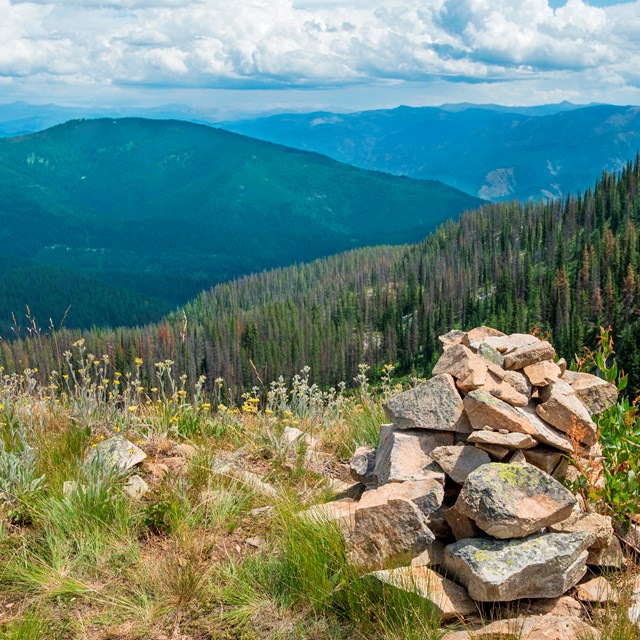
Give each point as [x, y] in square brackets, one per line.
[313, 43]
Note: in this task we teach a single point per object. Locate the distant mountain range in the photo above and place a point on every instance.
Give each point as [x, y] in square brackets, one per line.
[494, 152]
[125, 219]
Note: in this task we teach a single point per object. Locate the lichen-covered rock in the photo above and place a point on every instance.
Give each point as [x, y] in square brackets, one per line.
[406, 455]
[532, 353]
[566, 412]
[391, 525]
[460, 460]
[448, 599]
[513, 500]
[117, 452]
[487, 352]
[451, 338]
[510, 440]
[539, 566]
[595, 393]
[435, 405]
[362, 466]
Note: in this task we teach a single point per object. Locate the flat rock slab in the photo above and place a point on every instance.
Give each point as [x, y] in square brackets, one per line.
[532, 353]
[548, 627]
[595, 393]
[391, 525]
[509, 440]
[118, 453]
[540, 566]
[513, 500]
[460, 460]
[545, 458]
[435, 405]
[544, 432]
[500, 388]
[475, 337]
[449, 599]
[562, 409]
[407, 455]
[485, 410]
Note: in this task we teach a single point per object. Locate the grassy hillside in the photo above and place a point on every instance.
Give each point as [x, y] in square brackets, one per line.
[159, 210]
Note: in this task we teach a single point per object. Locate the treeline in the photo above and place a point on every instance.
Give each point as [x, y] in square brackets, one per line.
[564, 267]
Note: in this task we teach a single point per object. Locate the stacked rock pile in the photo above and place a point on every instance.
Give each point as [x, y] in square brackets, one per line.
[463, 501]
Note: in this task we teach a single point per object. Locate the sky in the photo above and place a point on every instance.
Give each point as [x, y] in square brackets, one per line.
[278, 55]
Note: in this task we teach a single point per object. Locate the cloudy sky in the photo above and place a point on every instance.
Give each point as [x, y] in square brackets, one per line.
[302, 54]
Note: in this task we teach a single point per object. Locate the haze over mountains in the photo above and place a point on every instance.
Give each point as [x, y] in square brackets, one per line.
[493, 152]
[125, 219]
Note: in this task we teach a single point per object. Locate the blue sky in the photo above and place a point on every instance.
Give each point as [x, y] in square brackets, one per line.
[253, 55]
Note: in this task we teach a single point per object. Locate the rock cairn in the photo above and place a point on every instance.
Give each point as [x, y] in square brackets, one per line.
[463, 502]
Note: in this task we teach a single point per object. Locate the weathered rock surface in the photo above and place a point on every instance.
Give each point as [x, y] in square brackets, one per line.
[566, 412]
[449, 599]
[548, 627]
[406, 455]
[469, 369]
[596, 590]
[435, 405]
[610, 556]
[362, 466]
[544, 432]
[600, 526]
[495, 451]
[519, 382]
[391, 524]
[483, 409]
[544, 458]
[477, 336]
[451, 338]
[595, 393]
[117, 452]
[513, 500]
[539, 566]
[510, 440]
[459, 461]
[461, 525]
[512, 342]
[542, 373]
[432, 556]
[530, 354]
[500, 388]
[487, 352]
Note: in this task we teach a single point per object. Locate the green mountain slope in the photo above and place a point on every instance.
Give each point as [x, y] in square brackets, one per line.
[163, 209]
[563, 267]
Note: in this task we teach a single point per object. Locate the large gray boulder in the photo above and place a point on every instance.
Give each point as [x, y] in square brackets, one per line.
[513, 500]
[435, 405]
[406, 455]
[540, 566]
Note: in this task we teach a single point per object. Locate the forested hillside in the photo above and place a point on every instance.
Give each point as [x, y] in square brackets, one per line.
[145, 214]
[566, 267]
[495, 152]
